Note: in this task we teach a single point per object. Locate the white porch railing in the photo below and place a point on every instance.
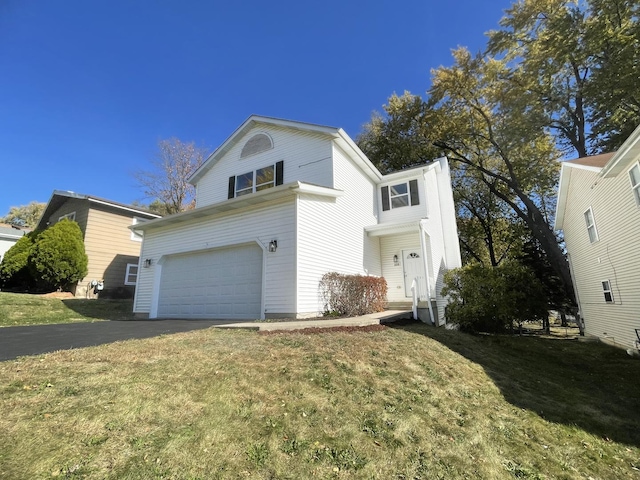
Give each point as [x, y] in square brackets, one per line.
[419, 293]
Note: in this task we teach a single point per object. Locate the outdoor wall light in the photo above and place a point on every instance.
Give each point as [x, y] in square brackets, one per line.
[273, 245]
[396, 262]
[147, 262]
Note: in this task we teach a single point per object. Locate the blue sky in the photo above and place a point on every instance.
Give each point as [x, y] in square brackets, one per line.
[87, 88]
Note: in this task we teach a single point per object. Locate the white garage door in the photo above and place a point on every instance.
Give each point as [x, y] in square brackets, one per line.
[225, 283]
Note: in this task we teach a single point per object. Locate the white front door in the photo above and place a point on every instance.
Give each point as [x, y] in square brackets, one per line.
[413, 266]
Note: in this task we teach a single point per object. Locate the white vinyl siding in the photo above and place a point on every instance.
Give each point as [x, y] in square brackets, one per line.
[331, 233]
[259, 225]
[615, 257]
[306, 158]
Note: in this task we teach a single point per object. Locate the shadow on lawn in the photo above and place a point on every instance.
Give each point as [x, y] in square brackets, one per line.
[103, 309]
[591, 385]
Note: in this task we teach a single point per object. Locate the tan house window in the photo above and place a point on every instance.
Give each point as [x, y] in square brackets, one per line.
[131, 276]
[591, 225]
[70, 216]
[634, 175]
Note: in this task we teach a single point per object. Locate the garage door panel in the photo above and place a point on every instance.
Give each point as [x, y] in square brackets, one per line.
[224, 283]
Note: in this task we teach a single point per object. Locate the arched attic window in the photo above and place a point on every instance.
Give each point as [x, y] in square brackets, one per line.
[256, 144]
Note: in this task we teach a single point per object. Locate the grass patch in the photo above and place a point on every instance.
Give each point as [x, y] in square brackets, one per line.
[26, 309]
[404, 403]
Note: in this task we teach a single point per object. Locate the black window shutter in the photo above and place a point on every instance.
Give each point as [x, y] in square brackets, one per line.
[232, 187]
[413, 189]
[279, 172]
[385, 198]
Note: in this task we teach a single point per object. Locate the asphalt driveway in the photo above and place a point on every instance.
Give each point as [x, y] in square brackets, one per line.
[37, 339]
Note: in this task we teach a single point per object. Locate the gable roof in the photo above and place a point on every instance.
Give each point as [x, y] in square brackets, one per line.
[58, 197]
[597, 161]
[337, 134]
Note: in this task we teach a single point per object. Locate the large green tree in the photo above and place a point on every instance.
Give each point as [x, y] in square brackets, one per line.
[580, 62]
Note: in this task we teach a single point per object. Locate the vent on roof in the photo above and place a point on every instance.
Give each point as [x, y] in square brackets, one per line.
[256, 144]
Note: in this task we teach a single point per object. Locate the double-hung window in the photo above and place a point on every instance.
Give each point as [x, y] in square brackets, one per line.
[131, 275]
[400, 195]
[634, 176]
[591, 225]
[256, 180]
[606, 289]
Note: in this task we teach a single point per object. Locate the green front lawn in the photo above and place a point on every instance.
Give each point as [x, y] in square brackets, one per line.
[412, 402]
[26, 309]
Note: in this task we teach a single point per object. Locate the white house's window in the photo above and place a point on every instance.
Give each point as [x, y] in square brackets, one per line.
[70, 216]
[135, 235]
[257, 180]
[400, 195]
[634, 175]
[244, 184]
[131, 275]
[606, 289]
[256, 144]
[591, 225]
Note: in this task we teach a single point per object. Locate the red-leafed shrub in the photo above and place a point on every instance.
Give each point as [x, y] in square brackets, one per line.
[352, 295]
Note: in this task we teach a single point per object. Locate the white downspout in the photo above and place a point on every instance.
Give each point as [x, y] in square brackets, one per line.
[423, 246]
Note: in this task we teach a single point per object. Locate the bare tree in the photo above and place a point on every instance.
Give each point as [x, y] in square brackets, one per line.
[174, 162]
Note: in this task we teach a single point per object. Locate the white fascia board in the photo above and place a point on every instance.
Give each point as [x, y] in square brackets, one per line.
[436, 164]
[121, 207]
[383, 229]
[563, 187]
[345, 142]
[235, 204]
[248, 124]
[628, 153]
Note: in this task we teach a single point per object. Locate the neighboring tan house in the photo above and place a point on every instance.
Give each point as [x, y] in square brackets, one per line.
[9, 235]
[599, 212]
[279, 204]
[112, 248]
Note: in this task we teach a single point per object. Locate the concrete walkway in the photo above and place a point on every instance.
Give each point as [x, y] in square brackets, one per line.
[362, 321]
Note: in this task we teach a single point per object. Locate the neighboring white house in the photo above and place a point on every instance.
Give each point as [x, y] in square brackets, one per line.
[279, 204]
[9, 235]
[599, 212]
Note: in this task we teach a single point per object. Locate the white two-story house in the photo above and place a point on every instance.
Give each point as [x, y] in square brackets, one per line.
[279, 204]
[598, 211]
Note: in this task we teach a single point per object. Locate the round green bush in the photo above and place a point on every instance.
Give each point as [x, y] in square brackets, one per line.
[58, 259]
